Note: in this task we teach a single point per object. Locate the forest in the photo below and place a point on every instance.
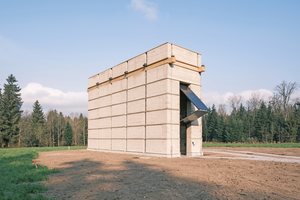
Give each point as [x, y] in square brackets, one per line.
[34, 128]
[276, 120]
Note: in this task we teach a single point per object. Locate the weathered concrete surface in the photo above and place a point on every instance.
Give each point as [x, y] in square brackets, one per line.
[140, 112]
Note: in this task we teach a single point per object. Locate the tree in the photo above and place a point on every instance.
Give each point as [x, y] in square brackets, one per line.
[235, 101]
[37, 124]
[212, 123]
[285, 90]
[255, 101]
[2, 119]
[60, 127]
[25, 133]
[52, 127]
[11, 102]
[68, 134]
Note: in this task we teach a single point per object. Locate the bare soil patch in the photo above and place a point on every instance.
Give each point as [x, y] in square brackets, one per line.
[97, 175]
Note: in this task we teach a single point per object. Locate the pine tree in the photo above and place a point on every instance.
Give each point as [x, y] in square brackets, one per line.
[37, 125]
[12, 103]
[204, 128]
[68, 134]
[212, 124]
[230, 130]
[220, 128]
[37, 114]
[2, 119]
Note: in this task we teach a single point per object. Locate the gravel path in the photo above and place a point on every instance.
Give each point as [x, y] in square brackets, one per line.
[248, 155]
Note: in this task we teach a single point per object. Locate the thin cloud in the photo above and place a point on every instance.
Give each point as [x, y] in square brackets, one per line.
[215, 98]
[49, 98]
[148, 8]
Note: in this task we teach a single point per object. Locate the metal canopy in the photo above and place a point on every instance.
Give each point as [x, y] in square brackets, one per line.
[202, 109]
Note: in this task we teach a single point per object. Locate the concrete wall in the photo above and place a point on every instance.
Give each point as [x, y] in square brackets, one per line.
[140, 113]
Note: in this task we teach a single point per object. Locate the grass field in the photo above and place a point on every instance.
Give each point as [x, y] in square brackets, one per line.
[267, 145]
[18, 172]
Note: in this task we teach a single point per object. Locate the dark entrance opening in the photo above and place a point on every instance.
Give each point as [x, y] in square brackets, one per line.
[184, 101]
[188, 113]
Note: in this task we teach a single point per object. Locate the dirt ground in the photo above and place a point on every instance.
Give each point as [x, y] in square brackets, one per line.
[97, 175]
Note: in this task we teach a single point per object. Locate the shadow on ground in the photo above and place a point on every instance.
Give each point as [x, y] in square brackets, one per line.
[95, 175]
[87, 179]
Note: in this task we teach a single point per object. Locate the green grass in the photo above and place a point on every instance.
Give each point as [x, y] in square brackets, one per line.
[18, 173]
[267, 145]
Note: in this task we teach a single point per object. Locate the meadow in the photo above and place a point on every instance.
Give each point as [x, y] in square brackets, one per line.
[19, 174]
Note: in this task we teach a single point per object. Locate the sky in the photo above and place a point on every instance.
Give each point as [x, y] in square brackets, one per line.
[53, 47]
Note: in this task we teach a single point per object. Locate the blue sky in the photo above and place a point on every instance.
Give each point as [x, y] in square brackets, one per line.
[52, 47]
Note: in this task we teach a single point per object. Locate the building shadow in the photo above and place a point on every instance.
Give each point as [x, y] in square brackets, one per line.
[127, 179]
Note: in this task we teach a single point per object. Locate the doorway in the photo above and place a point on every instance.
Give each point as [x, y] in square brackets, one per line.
[183, 113]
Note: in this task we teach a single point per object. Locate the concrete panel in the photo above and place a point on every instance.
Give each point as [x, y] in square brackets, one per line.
[185, 55]
[174, 147]
[136, 119]
[104, 90]
[119, 85]
[159, 53]
[93, 124]
[185, 75]
[104, 133]
[93, 104]
[93, 114]
[163, 87]
[104, 101]
[119, 69]
[92, 143]
[157, 131]
[162, 131]
[159, 117]
[118, 145]
[105, 112]
[163, 102]
[175, 131]
[119, 121]
[137, 80]
[136, 62]
[157, 73]
[104, 76]
[136, 145]
[175, 85]
[156, 146]
[195, 147]
[175, 117]
[105, 122]
[194, 131]
[93, 133]
[118, 97]
[93, 80]
[199, 60]
[93, 94]
[136, 106]
[136, 93]
[136, 132]
[118, 132]
[119, 109]
[104, 144]
[158, 88]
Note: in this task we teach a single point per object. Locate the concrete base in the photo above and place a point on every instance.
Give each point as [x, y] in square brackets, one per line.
[194, 154]
[136, 153]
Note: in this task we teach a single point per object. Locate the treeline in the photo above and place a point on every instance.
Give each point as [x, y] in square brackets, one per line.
[36, 129]
[274, 120]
